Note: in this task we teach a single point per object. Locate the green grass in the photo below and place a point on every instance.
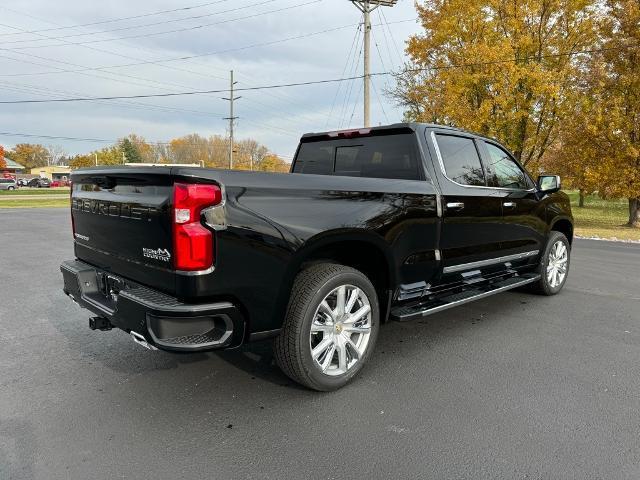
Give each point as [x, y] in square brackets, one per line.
[34, 202]
[602, 218]
[36, 191]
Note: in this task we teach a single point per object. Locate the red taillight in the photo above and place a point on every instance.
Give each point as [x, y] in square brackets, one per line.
[192, 242]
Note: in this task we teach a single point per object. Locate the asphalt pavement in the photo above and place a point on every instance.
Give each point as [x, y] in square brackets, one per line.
[513, 386]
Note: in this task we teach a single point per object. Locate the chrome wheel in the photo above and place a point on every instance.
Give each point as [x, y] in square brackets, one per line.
[340, 330]
[557, 264]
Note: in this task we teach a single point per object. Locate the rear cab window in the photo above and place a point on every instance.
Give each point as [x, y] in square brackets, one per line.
[382, 154]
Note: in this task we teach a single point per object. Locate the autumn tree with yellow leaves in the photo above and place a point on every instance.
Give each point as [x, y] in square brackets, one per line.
[497, 67]
[212, 152]
[557, 81]
[616, 121]
[599, 146]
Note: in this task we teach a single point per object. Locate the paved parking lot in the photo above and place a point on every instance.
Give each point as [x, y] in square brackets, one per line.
[514, 386]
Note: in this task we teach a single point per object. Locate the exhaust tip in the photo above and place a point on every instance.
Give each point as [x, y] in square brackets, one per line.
[140, 340]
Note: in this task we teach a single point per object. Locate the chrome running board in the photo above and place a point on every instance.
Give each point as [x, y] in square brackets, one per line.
[437, 304]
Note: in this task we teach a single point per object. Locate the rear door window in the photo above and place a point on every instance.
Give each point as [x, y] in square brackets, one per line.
[461, 160]
[393, 156]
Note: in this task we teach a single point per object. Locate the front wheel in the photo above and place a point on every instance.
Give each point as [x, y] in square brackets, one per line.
[554, 265]
[330, 328]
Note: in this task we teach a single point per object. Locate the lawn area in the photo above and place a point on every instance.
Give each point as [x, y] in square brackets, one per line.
[602, 218]
[34, 202]
[36, 191]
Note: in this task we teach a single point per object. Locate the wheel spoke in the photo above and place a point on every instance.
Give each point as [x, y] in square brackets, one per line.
[328, 357]
[340, 299]
[321, 347]
[361, 312]
[342, 356]
[352, 300]
[353, 346]
[350, 328]
[325, 308]
[321, 327]
[561, 250]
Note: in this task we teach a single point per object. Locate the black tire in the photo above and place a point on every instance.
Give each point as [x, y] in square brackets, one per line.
[293, 348]
[544, 286]
[11, 188]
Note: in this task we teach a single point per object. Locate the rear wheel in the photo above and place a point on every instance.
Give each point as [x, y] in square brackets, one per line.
[554, 265]
[330, 327]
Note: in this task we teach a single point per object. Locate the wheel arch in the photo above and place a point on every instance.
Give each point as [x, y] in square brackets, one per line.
[364, 251]
[563, 225]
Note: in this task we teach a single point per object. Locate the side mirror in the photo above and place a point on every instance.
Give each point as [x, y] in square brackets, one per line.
[549, 183]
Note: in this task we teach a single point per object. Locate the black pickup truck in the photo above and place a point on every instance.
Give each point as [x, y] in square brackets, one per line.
[388, 223]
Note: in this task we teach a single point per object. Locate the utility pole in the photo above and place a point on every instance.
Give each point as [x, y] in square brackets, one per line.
[367, 72]
[124, 158]
[96, 154]
[231, 119]
[366, 7]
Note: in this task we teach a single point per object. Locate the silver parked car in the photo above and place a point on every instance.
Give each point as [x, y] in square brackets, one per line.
[8, 184]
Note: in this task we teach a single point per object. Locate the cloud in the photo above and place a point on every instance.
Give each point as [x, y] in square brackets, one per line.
[276, 117]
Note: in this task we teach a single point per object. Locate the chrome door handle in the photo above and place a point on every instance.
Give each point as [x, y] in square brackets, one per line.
[455, 205]
[509, 204]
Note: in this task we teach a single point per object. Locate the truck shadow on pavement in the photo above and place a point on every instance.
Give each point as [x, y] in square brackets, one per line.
[116, 352]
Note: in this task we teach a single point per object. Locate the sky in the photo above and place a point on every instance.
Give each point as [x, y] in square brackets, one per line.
[78, 49]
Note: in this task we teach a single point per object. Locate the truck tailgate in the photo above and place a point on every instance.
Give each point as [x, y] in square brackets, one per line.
[122, 223]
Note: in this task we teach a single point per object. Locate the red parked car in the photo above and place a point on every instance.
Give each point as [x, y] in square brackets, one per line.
[60, 183]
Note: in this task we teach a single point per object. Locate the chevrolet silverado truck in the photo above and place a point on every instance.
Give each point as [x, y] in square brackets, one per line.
[371, 225]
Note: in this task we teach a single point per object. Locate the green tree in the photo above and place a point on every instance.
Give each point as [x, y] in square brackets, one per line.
[131, 153]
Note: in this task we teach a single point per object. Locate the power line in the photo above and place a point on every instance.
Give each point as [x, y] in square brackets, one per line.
[177, 94]
[200, 55]
[184, 29]
[132, 27]
[353, 48]
[113, 20]
[353, 69]
[380, 101]
[55, 137]
[315, 82]
[386, 41]
[26, 88]
[375, 90]
[58, 69]
[393, 40]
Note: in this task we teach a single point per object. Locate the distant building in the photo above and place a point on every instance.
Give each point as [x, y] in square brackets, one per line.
[12, 167]
[53, 172]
